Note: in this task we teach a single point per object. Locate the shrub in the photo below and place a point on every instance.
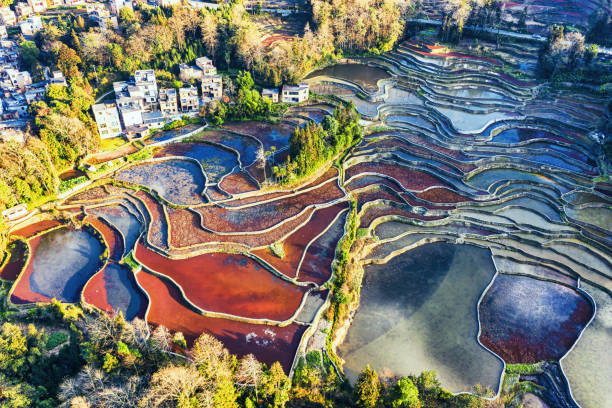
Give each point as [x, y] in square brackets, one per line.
[55, 339]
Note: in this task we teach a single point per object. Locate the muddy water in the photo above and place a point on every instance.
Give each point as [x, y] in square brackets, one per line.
[418, 312]
[364, 75]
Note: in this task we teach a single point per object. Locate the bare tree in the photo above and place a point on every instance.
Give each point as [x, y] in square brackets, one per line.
[162, 338]
[249, 372]
[172, 383]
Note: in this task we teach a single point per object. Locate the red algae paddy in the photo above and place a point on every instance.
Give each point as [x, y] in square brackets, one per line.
[228, 283]
[267, 343]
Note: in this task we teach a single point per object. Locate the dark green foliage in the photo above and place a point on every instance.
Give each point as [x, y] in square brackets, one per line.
[29, 54]
[314, 145]
[55, 339]
[248, 104]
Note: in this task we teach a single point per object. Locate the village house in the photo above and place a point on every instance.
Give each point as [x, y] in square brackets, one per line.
[212, 87]
[270, 93]
[7, 17]
[206, 65]
[295, 93]
[168, 101]
[131, 115]
[189, 99]
[38, 6]
[145, 79]
[107, 119]
[23, 10]
[31, 26]
[3, 32]
[188, 72]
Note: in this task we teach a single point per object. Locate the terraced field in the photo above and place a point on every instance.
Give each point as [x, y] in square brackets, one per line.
[482, 214]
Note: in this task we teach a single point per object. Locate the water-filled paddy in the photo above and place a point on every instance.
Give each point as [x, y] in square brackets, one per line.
[405, 306]
[125, 221]
[526, 320]
[364, 75]
[114, 290]
[215, 160]
[60, 264]
[588, 366]
[178, 181]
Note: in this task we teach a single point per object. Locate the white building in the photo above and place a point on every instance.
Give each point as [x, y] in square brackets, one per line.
[23, 10]
[189, 99]
[7, 17]
[35, 92]
[38, 5]
[18, 79]
[3, 32]
[168, 101]
[153, 120]
[206, 65]
[189, 72]
[107, 119]
[270, 93]
[31, 26]
[131, 115]
[212, 87]
[295, 93]
[98, 13]
[145, 79]
[55, 77]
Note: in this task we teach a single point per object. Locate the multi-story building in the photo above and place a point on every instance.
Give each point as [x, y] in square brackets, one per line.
[117, 5]
[7, 17]
[212, 87]
[15, 106]
[31, 26]
[168, 101]
[98, 13]
[38, 6]
[145, 78]
[295, 93]
[131, 115]
[23, 10]
[153, 120]
[189, 72]
[9, 54]
[56, 78]
[270, 93]
[35, 92]
[129, 95]
[17, 79]
[55, 3]
[107, 119]
[206, 65]
[189, 99]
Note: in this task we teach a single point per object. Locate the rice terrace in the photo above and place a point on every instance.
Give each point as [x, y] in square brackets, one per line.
[463, 226]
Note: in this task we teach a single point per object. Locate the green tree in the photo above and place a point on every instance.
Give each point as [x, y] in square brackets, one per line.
[13, 348]
[225, 396]
[276, 386]
[29, 54]
[405, 394]
[367, 388]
